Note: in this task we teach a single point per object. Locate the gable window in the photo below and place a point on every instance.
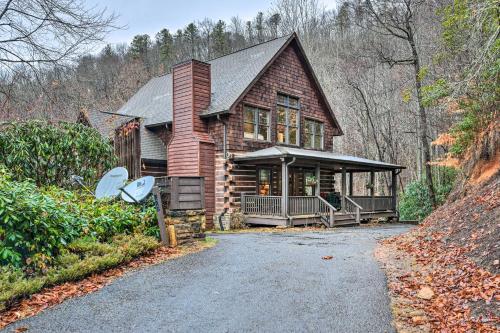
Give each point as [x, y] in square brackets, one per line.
[313, 134]
[288, 120]
[256, 124]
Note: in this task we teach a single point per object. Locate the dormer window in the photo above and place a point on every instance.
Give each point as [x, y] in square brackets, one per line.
[288, 120]
[256, 124]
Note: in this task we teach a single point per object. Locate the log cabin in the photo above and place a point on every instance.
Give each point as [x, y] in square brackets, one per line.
[258, 127]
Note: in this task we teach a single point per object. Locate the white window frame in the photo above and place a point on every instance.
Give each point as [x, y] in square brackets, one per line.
[288, 107]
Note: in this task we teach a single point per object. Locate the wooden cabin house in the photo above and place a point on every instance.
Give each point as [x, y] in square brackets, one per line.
[258, 127]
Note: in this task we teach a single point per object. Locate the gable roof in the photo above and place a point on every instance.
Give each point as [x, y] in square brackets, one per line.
[105, 122]
[232, 76]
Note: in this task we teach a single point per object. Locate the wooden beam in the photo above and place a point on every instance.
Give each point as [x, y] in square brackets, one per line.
[343, 188]
[394, 189]
[372, 189]
[318, 179]
[350, 183]
[159, 215]
[284, 188]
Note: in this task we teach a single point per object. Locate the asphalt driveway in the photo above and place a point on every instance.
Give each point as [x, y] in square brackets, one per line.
[268, 282]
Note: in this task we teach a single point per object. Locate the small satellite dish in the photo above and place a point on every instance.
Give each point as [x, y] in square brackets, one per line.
[110, 184]
[138, 190]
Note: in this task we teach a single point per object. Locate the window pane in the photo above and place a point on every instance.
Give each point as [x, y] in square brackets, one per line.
[308, 140]
[263, 132]
[292, 135]
[249, 115]
[281, 115]
[317, 141]
[249, 130]
[319, 128]
[280, 137]
[264, 182]
[281, 99]
[293, 102]
[263, 117]
[308, 126]
[292, 120]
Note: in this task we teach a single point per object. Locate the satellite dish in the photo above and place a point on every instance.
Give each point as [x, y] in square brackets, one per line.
[110, 184]
[138, 190]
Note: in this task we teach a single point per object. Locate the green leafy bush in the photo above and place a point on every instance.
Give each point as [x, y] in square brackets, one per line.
[33, 225]
[464, 133]
[415, 202]
[36, 224]
[82, 258]
[50, 153]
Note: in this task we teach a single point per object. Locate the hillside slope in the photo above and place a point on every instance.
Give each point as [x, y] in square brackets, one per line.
[444, 274]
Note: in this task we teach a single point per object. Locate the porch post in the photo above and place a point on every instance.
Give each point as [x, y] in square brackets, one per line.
[317, 189]
[372, 189]
[394, 189]
[284, 188]
[343, 189]
[350, 184]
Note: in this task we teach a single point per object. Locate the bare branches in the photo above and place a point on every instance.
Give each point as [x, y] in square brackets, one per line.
[40, 33]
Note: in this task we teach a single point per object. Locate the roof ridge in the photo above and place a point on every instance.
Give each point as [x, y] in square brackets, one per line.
[225, 55]
[251, 46]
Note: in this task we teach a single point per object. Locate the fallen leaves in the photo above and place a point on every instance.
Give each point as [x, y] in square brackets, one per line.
[434, 272]
[327, 257]
[425, 293]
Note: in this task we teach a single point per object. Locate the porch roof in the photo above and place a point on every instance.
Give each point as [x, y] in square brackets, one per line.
[278, 152]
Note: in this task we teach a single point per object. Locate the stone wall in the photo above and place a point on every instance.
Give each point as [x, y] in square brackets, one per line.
[188, 223]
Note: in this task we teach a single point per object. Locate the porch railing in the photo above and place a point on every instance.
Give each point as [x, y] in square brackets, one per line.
[297, 205]
[303, 205]
[378, 203]
[261, 205]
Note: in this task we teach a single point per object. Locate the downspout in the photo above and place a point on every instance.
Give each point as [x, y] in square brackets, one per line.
[287, 190]
[224, 139]
[224, 152]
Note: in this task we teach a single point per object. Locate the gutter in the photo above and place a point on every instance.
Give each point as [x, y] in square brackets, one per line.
[224, 141]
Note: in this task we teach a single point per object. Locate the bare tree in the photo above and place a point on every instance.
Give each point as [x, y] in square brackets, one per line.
[40, 33]
[396, 19]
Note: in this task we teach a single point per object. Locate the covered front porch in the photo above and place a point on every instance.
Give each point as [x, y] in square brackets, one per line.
[297, 186]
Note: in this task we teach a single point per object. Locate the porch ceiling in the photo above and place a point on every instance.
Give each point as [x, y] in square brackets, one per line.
[273, 155]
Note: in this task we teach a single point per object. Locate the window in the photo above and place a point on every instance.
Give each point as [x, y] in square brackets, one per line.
[313, 134]
[264, 182]
[256, 124]
[288, 120]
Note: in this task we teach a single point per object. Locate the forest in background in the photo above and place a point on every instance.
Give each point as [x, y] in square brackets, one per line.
[398, 74]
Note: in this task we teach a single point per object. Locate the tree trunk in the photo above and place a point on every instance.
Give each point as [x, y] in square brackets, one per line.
[422, 121]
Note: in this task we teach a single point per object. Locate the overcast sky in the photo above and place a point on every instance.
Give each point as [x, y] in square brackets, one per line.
[150, 16]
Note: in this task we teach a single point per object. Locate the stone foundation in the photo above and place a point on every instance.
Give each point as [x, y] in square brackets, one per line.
[226, 221]
[230, 221]
[187, 223]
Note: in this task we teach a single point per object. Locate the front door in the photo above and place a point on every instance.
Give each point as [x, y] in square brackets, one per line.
[298, 185]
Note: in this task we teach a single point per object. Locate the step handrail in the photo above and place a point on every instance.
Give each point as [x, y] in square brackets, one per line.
[358, 208]
[353, 202]
[332, 210]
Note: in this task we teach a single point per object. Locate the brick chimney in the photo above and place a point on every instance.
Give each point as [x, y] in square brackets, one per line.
[191, 150]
